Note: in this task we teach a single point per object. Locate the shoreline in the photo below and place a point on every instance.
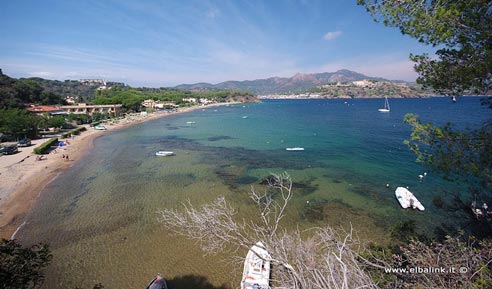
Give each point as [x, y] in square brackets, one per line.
[24, 178]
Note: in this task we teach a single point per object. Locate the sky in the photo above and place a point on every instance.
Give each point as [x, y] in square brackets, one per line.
[161, 43]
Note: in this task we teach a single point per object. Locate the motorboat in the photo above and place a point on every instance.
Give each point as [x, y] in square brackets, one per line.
[164, 153]
[256, 273]
[157, 283]
[294, 149]
[407, 199]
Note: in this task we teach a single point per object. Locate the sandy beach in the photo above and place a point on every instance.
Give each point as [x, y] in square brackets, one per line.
[23, 177]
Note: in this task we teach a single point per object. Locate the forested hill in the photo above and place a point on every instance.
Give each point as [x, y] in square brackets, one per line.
[15, 93]
[84, 92]
[299, 83]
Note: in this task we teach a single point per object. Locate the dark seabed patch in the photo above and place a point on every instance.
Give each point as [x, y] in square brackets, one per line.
[304, 189]
[247, 180]
[183, 180]
[220, 137]
[313, 210]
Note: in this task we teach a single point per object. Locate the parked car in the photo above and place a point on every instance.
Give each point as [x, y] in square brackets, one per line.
[25, 142]
[10, 150]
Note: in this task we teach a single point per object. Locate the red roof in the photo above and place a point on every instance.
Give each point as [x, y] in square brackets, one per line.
[42, 108]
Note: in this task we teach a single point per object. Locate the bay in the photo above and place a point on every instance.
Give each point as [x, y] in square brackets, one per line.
[100, 217]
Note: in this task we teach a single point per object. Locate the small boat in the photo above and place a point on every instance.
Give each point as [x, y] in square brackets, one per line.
[407, 199]
[157, 283]
[480, 212]
[164, 153]
[190, 122]
[100, 127]
[386, 106]
[256, 273]
[294, 149]
[245, 116]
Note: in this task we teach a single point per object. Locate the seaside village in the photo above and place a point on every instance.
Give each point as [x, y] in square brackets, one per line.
[99, 115]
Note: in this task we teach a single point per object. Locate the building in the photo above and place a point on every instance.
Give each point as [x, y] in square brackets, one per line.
[364, 83]
[150, 103]
[71, 99]
[83, 108]
[93, 81]
[191, 99]
[46, 109]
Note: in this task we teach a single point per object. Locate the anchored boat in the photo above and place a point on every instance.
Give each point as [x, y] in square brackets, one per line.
[164, 153]
[256, 273]
[157, 283]
[407, 199]
[294, 149]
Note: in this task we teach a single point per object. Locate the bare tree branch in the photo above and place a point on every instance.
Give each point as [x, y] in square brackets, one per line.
[318, 258]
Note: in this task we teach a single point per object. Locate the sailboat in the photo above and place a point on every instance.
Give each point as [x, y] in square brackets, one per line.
[386, 106]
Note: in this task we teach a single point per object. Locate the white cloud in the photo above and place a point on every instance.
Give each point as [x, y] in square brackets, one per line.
[43, 74]
[213, 13]
[332, 35]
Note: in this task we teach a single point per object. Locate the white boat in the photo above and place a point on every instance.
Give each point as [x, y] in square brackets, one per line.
[164, 153]
[256, 273]
[100, 127]
[386, 106]
[294, 149]
[157, 283]
[407, 199]
[190, 122]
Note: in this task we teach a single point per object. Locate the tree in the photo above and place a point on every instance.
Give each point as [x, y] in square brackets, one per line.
[21, 268]
[18, 123]
[453, 264]
[464, 156]
[317, 258]
[463, 28]
[28, 90]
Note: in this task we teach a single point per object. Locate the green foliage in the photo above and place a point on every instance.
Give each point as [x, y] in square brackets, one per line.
[377, 89]
[131, 98]
[21, 268]
[470, 260]
[46, 146]
[76, 131]
[404, 231]
[463, 27]
[458, 155]
[79, 118]
[16, 93]
[56, 121]
[18, 123]
[84, 92]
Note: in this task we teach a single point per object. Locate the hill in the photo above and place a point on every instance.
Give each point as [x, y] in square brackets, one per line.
[82, 91]
[299, 83]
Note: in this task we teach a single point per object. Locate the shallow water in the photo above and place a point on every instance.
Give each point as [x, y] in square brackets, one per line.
[100, 216]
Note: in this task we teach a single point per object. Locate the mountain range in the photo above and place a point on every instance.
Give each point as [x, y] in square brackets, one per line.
[299, 83]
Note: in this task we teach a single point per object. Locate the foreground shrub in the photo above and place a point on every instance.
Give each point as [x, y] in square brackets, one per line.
[46, 146]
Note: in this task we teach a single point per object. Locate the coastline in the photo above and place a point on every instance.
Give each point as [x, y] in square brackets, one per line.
[24, 178]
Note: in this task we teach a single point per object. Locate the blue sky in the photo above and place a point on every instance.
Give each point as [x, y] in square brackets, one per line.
[165, 43]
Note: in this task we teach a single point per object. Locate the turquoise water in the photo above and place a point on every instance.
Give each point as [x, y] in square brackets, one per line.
[100, 216]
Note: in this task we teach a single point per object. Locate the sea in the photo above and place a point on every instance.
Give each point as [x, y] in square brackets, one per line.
[101, 216]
